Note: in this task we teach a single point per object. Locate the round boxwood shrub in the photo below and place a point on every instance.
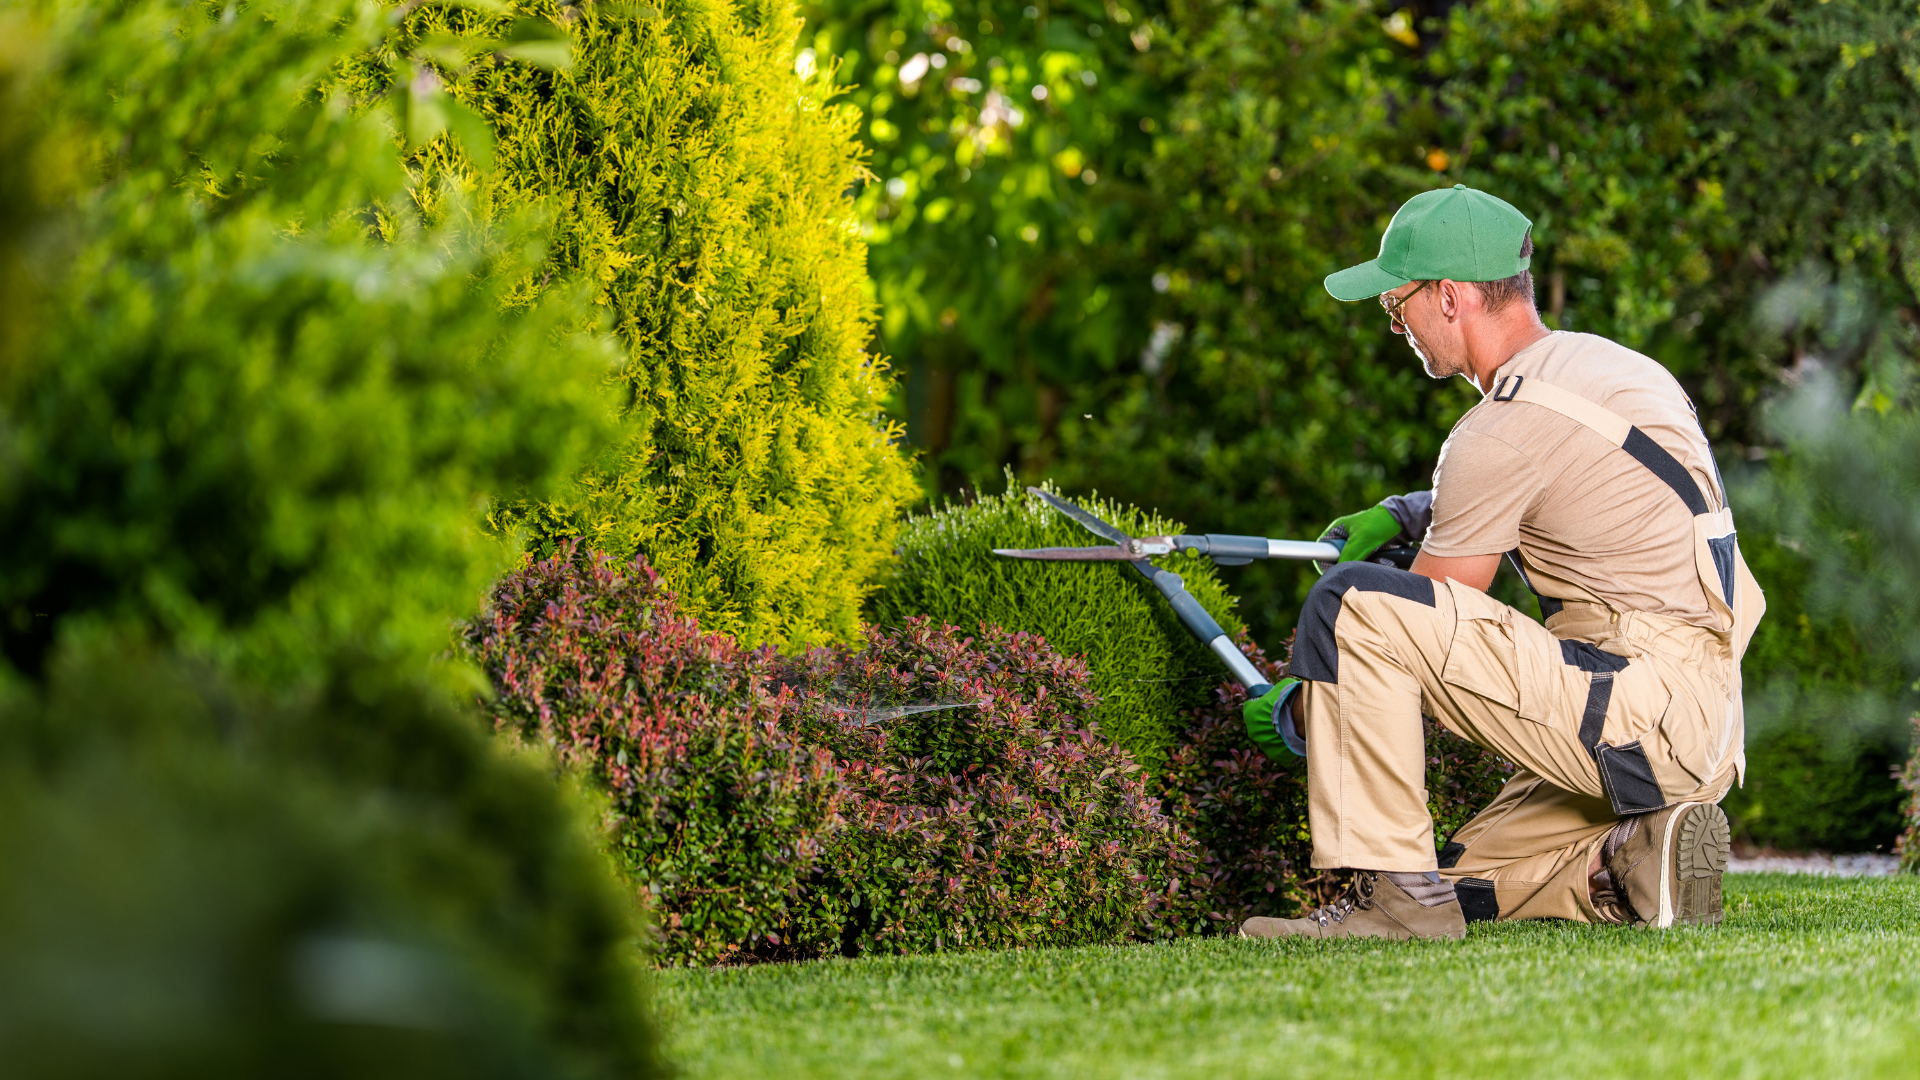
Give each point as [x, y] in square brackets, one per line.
[1146, 669]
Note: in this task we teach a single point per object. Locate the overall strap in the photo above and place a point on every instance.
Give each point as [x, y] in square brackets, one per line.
[1612, 427]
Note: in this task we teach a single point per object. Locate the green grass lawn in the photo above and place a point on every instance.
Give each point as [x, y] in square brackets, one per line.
[1808, 977]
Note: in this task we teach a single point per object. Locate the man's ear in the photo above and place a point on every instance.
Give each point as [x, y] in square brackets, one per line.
[1452, 298]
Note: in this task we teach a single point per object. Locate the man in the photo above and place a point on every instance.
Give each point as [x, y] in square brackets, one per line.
[1585, 465]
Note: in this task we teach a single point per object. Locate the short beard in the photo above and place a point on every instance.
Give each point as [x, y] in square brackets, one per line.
[1435, 368]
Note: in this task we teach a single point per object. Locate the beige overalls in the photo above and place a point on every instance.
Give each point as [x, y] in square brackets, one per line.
[1606, 712]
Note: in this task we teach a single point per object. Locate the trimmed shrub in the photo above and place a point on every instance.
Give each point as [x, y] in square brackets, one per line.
[1146, 669]
[789, 808]
[701, 187]
[1249, 814]
[1005, 822]
[716, 810]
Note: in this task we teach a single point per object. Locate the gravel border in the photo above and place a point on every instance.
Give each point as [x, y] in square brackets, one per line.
[1867, 864]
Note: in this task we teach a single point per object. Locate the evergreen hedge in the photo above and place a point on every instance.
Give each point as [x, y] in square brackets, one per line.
[1147, 669]
[253, 405]
[700, 187]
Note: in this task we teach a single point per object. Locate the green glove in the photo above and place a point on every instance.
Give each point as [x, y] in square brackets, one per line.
[1365, 532]
[1262, 715]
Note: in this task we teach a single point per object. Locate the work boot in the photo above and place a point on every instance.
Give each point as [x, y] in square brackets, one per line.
[1666, 865]
[1376, 905]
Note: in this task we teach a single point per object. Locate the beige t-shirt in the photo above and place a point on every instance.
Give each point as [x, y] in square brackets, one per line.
[1591, 522]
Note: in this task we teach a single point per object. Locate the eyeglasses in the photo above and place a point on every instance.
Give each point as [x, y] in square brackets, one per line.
[1393, 308]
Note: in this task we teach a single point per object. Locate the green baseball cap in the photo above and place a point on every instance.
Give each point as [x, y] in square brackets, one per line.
[1456, 233]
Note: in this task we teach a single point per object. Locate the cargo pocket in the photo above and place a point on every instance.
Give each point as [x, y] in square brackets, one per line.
[1636, 773]
[1487, 657]
[1690, 736]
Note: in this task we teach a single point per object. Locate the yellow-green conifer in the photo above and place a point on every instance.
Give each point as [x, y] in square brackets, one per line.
[703, 185]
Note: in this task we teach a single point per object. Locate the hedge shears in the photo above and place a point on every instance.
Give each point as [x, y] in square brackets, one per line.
[1222, 549]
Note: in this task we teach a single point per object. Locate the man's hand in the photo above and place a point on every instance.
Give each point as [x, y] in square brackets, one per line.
[1365, 532]
[1474, 570]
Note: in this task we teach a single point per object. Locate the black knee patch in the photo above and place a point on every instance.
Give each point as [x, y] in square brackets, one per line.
[1477, 901]
[1314, 656]
[1450, 855]
[1628, 778]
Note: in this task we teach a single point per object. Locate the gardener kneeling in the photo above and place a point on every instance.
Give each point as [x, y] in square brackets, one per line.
[1584, 464]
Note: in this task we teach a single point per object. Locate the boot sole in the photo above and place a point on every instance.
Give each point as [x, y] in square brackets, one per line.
[1693, 856]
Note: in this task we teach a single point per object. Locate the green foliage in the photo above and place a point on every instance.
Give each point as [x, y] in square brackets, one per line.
[1750, 145]
[1678, 162]
[1823, 711]
[1264, 406]
[1147, 669]
[1002, 200]
[1839, 500]
[251, 409]
[699, 186]
[204, 883]
[243, 423]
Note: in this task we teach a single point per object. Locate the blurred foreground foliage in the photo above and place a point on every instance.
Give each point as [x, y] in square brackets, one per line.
[699, 189]
[208, 882]
[1099, 231]
[252, 406]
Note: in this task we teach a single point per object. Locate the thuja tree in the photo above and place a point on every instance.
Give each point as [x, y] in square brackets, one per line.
[700, 186]
[251, 402]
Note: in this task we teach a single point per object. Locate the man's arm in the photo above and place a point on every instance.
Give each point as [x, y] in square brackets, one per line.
[1474, 570]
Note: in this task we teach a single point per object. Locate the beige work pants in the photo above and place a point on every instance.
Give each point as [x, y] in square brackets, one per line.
[1596, 734]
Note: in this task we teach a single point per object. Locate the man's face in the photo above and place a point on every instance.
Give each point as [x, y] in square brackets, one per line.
[1415, 311]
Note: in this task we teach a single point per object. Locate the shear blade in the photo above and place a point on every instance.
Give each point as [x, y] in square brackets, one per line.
[1087, 520]
[1070, 554]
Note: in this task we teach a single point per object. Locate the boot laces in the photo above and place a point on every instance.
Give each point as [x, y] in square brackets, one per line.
[1358, 897]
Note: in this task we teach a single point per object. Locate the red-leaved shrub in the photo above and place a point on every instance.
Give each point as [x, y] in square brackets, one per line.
[791, 807]
[1001, 820]
[718, 813]
[1908, 845]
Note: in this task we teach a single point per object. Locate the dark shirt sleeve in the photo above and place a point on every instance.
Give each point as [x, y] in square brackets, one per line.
[1414, 512]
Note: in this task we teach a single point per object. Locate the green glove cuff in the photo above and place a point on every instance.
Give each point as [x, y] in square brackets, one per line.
[1365, 532]
[1263, 726]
